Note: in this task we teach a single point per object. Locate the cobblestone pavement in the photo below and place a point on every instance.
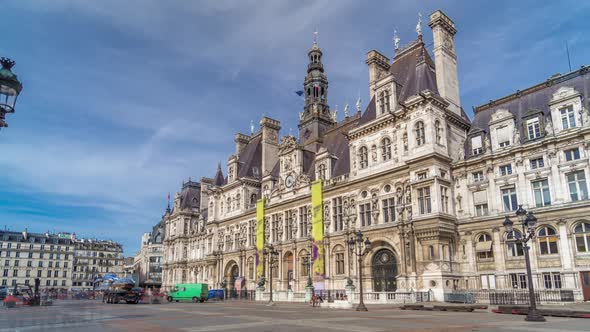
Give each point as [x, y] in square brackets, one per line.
[91, 316]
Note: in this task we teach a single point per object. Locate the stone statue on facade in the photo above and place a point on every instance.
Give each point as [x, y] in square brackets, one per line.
[487, 144]
[516, 136]
[585, 118]
[549, 127]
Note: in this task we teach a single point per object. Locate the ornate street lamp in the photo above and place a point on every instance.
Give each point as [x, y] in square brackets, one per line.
[528, 222]
[272, 255]
[310, 262]
[10, 88]
[361, 246]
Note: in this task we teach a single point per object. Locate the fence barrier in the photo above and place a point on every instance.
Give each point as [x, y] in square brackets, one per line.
[510, 296]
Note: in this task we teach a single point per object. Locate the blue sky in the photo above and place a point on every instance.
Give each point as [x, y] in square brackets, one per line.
[123, 100]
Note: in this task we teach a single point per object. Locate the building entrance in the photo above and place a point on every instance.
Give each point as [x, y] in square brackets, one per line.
[384, 271]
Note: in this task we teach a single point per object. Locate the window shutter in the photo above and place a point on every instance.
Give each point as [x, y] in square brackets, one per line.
[502, 134]
[480, 197]
[476, 142]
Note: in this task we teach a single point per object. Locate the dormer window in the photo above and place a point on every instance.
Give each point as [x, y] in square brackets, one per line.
[503, 136]
[387, 107]
[420, 136]
[533, 128]
[476, 145]
[568, 117]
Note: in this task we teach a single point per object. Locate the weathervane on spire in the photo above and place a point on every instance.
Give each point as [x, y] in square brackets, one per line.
[315, 36]
[395, 39]
[419, 25]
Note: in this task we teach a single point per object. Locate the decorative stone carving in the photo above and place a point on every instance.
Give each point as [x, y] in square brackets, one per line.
[487, 144]
[516, 136]
[459, 198]
[549, 127]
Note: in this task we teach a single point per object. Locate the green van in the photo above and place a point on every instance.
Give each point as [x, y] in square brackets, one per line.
[185, 292]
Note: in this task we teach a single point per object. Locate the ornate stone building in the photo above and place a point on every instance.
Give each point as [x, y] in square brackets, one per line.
[426, 185]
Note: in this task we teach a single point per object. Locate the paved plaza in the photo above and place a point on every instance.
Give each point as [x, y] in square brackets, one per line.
[250, 316]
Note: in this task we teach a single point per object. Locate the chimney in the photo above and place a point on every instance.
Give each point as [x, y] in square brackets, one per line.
[241, 142]
[378, 65]
[445, 59]
[270, 144]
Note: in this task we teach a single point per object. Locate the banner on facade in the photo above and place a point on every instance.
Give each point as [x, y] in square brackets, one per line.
[317, 231]
[259, 238]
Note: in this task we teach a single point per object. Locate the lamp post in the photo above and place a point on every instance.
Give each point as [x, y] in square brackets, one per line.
[360, 247]
[10, 88]
[528, 222]
[272, 254]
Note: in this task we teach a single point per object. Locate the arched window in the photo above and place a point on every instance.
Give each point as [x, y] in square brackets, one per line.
[386, 149]
[483, 247]
[547, 240]
[513, 245]
[322, 171]
[582, 234]
[431, 255]
[438, 132]
[405, 140]
[364, 157]
[420, 136]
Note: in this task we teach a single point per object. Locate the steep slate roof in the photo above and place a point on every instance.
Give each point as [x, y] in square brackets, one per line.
[536, 97]
[219, 180]
[413, 69]
[250, 157]
[190, 195]
[336, 141]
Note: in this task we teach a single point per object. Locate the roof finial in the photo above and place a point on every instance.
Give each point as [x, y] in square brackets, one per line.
[315, 36]
[395, 39]
[219, 166]
[358, 103]
[346, 110]
[419, 25]
[168, 208]
[251, 127]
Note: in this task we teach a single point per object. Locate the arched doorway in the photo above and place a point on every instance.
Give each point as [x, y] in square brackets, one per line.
[384, 270]
[232, 272]
[288, 268]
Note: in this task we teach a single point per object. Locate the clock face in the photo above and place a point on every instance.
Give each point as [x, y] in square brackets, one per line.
[289, 181]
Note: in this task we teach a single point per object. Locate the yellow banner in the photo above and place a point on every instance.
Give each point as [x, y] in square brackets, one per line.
[317, 230]
[259, 238]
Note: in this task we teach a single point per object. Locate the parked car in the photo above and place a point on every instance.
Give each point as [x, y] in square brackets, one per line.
[216, 294]
[186, 292]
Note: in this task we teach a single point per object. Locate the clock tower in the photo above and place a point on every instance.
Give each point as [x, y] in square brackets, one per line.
[316, 117]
